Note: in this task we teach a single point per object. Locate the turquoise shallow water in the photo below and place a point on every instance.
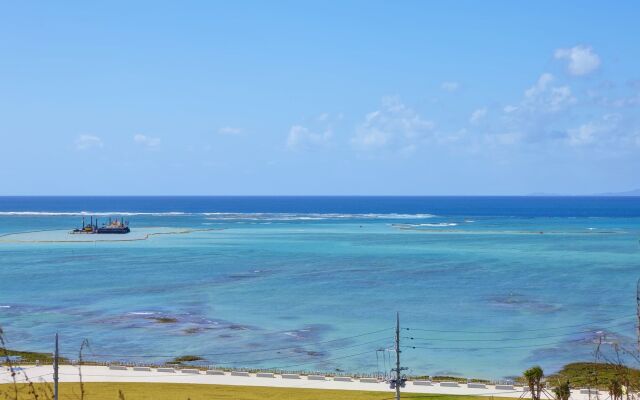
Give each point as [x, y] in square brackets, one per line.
[294, 290]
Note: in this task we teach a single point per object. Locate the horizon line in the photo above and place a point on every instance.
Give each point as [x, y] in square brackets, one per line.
[616, 194]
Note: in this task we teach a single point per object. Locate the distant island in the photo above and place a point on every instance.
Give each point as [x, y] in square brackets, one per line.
[635, 192]
[630, 193]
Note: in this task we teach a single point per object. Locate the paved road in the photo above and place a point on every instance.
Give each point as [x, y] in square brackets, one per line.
[70, 373]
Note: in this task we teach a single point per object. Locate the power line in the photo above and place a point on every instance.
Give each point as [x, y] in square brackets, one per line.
[489, 348]
[385, 366]
[325, 360]
[295, 355]
[301, 353]
[244, 351]
[511, 339]
[519, 330]
[272, 368]
[284, 356]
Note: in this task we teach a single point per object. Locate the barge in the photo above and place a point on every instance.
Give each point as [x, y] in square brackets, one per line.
[112, 227]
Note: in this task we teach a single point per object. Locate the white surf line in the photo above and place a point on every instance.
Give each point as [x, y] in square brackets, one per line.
[91, 373]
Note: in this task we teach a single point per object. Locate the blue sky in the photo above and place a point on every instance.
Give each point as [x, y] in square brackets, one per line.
[319, 97]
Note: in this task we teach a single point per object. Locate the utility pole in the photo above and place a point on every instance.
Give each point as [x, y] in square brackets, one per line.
[398, 381]
[638, 313]
[397, 356]
[55, 370]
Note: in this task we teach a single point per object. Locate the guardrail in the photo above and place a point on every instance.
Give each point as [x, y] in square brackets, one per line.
[215, 372]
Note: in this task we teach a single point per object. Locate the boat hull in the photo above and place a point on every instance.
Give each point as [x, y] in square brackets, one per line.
[113, 230]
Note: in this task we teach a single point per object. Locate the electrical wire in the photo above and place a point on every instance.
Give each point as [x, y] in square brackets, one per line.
[244, 351]
[519, 330]
[511, 339]
[325, 360]
[295, 355]
[487, 348]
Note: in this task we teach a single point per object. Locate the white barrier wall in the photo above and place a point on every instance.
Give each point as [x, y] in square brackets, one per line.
[118, 373]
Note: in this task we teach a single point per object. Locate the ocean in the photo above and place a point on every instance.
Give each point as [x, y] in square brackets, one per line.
[485, 286]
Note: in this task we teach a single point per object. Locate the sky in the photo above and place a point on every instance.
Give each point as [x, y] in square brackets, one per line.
[319, 97]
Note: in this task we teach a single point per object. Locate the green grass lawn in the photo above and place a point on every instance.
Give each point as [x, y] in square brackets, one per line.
[176, 391]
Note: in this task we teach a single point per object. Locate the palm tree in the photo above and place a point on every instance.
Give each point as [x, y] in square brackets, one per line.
[534, 377]
[615, 389]
[562, 391]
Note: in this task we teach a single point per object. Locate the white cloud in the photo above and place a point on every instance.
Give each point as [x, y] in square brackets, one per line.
[504, 138]
[323, 117]
[539, 116]
[478, 115]
[606, 130]
[543, 96]
[582, 135]
[394, 125]
[598, 120]
[300, 138]
[541, 85]
[229, 130]
[86, 142]
[581, 60]
[147, 141]
[560, 97]
[509, 109]
[549, 114]
[450, 86]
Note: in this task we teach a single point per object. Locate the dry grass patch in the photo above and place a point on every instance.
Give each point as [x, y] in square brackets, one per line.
[176, 391]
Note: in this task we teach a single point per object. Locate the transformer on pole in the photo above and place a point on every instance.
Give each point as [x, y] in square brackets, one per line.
[397, 382]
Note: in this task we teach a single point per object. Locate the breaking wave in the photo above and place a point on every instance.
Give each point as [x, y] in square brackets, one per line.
[87, 213]
[221, 216]
[309, 216]
[433, 225]
[441, 224]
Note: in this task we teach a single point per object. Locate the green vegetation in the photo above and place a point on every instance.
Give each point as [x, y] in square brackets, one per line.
[445, 378]
[615, 389]
[439, 378]
[28, 356]
[562, 391]
[533, 377]
[175, 391]
[183, 359]
[600, 375]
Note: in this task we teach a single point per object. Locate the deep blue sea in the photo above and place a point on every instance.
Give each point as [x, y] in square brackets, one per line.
[485, 286]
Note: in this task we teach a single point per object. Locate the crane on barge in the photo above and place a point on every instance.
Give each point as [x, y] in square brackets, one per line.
[113, 226]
